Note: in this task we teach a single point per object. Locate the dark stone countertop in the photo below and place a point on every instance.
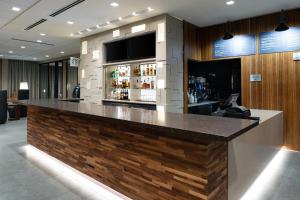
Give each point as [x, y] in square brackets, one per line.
[188, 125]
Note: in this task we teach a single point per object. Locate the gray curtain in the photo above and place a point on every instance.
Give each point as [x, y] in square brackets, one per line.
[23, 71]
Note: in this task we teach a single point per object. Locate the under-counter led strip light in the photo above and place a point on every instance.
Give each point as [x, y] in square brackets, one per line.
[271, 172]
[99, 26]
[75, 179]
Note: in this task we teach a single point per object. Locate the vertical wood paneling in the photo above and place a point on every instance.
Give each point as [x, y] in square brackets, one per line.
[279, 89]
[192, 50]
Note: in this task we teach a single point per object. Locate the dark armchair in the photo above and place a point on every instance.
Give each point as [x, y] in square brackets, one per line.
[3, 106]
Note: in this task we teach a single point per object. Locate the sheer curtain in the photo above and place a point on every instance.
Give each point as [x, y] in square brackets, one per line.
[23, 71]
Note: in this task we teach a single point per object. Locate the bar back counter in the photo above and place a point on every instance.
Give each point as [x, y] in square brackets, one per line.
[153, 155]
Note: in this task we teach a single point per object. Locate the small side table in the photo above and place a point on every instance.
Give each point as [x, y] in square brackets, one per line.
[14, 111]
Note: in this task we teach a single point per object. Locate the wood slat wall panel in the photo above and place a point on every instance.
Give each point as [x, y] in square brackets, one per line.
[279, 89]
[131, 159]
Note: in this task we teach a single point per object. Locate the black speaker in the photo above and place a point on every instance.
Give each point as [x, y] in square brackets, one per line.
[3, 106]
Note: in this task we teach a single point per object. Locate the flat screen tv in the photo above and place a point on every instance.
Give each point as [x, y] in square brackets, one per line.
[116, 51]
[139, 47]
[223, 77]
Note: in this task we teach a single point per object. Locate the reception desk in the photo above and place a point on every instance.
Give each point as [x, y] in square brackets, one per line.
[151, 155]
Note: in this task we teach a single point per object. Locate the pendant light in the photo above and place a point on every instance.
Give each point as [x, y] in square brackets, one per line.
[282, 26]
[228, 35]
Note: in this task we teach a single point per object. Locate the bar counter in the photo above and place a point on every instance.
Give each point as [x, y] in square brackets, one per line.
[139, 153]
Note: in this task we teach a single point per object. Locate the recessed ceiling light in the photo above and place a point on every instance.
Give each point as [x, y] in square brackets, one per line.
[114, 4]
[16, 9]
[150, 9]
[88, 30]
[42, 34]
[23, 47]
[39, 41]
[10, 52]
[229, 3]
[120, 18]
[47, 56]
[98, 26]
[108, 22]
[134, 14]
[34, 58]
[80, 33]
[70, 22]
[62, 52]
[72, 34]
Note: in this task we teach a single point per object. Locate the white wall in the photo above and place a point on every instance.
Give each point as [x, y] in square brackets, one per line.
[169, 52]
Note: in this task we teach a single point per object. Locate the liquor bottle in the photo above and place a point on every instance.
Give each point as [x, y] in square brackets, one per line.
[147, 71]
[151, 70]
[148, 84]
[152, 83]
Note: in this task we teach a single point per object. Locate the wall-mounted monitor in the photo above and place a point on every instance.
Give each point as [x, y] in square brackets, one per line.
[135, 48]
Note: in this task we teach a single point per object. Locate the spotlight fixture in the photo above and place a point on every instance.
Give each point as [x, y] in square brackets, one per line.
[80, 33]
[282, 26]
[228, 35]
[34, 58]
[88, 30]
[229, 3]
[114, 4]
[16, 9]
[42, 34]
[10, 52]
[39, 41]
[62, 52]
[134, 14]
[120, 18]
[98, 26]
[150, 9]
[23, 47]
[72, 34]
[108, 22]
[47, 56]
[70, 22]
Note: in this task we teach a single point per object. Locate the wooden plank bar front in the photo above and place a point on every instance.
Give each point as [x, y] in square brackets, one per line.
[135, 160]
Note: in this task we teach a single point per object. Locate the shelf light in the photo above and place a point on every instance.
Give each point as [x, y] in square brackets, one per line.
[138, 28]
[116, 33]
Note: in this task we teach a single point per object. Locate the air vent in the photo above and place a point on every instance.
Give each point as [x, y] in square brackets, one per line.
[66, 8]
[35, 24]
[34, 42]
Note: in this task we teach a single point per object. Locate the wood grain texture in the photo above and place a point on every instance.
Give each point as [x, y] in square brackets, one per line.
[279, 89]
[130, 158]
[192, 50]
